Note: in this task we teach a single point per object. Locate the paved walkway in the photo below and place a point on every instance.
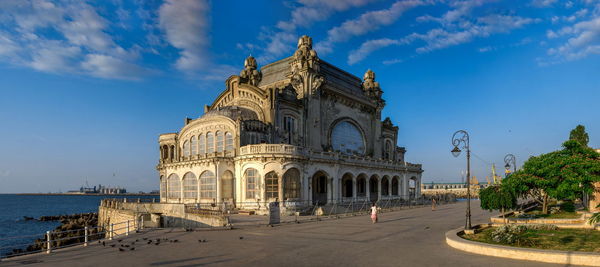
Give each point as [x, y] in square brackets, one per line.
[412, 237]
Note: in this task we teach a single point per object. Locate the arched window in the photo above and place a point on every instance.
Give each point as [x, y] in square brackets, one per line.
[174, 186]
[395, 186]
[385, 186]
[228, 141]
[201, 144]
[361, 186]
[291, 184]
[347, 185]
[194, 145]
[190, 186]
[387, 150]
[210, 142]
[163, 187]
[186, 148]
[219, 141]
[208, 185]
[227, 185]
[347, 139]
[252, 178]
[272, 185]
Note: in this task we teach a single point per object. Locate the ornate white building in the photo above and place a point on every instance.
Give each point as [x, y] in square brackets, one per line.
[298, 130]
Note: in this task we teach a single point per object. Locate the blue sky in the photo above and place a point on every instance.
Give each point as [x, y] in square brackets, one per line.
[87, 86]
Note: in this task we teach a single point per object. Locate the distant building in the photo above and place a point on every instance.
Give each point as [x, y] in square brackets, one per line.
[100, 189]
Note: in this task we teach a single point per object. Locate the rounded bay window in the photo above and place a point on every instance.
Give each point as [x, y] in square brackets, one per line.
[347, 138]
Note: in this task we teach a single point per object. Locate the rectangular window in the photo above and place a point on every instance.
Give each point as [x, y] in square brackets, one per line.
[201, 145]
[228, 142]
[210, 143]
[219, 141]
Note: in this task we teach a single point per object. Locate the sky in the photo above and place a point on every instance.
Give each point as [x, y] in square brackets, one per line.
[86, 87]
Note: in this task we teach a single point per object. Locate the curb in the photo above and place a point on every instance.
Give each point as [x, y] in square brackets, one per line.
[539, 255]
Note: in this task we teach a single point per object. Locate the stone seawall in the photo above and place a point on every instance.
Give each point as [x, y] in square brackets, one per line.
[155, 215]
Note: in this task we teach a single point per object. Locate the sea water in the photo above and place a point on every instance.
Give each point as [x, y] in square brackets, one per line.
[13, 208]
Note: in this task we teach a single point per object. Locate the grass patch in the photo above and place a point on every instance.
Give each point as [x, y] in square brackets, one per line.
[558, 215]
[563, 239]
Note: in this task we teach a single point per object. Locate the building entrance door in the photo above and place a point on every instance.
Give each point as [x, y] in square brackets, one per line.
[319, 189]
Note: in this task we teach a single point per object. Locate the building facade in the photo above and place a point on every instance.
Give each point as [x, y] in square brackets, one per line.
[298, 130]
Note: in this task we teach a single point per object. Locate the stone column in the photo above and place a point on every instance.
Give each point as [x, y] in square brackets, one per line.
[280, 187]
[218, 181]
[368, 188]
[330, 190]
[379, 189]
[354, 192]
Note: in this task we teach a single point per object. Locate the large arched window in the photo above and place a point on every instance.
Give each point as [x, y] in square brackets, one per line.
[174, 186]
[219, 141]
[208, 185]
[272, 185]
[347, 139]
[194, 145]
[186, 148]
[227, 185]
[201, 145]
[228, 141]
[190, 186]
[395, 186]
[252, 178]
[210, 142]
[291, 184]
[163, 187]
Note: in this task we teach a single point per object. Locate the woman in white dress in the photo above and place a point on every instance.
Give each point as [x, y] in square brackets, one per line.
[374, 213]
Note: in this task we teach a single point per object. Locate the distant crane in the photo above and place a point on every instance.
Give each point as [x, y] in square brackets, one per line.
[496, 178]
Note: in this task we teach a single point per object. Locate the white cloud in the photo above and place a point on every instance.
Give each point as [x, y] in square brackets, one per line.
[78, 28]
[307, 12]
[543, 3]
[392, 61]
[486, 49]
[186, 25]
[110, 67]
[456, 27]
[365, 23]
[576, 41]
[368, 47]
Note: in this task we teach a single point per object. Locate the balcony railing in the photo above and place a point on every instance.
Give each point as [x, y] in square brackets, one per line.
[271, 149]
[284, 149]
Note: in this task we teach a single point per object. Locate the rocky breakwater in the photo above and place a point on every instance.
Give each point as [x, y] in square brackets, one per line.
[70, 232]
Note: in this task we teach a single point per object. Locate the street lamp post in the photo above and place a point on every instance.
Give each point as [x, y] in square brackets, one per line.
[459, 137]
[508, 159]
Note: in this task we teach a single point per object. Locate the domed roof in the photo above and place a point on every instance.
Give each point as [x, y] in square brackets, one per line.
[232, 112]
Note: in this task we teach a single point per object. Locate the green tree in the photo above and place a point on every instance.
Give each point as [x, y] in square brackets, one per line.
[578, 134]
[497, 197]
[563, 174]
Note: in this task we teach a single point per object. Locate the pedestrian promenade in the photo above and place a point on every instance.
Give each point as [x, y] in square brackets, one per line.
[410, 237]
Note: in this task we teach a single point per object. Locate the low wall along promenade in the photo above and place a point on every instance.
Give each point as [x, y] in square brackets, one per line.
[157, 215]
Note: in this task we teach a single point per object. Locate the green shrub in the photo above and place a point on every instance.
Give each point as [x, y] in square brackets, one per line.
[509, 234]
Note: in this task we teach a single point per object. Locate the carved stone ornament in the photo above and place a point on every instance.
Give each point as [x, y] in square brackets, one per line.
[305, 56]
[318, 80]
[250, 73]
[370, 86]
[297, 82]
